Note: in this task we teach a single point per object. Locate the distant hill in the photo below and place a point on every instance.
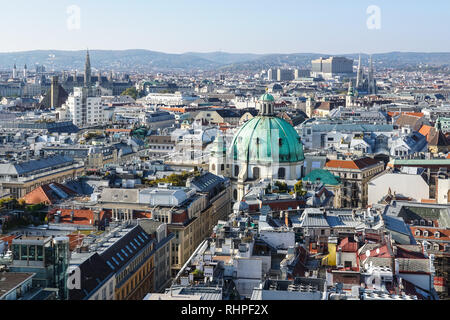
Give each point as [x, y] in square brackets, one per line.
[145, 60]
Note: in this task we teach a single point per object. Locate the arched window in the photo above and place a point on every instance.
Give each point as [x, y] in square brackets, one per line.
[255, 173]
[281, 173]
[213, 167]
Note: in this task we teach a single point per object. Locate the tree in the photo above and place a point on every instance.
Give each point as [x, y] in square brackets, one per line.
[298, 189]
[132, 92]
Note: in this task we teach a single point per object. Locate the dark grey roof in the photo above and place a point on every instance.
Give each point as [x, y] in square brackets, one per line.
[225, 113]
[94, 271]
[35, 165]
[206, 182]
[136, 239]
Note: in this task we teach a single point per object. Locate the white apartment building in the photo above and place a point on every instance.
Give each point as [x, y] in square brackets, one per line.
[83, 108]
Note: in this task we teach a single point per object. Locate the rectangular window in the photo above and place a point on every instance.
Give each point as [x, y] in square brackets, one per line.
[40, 253]
[16, 254]
[32, 253]
[23, 252]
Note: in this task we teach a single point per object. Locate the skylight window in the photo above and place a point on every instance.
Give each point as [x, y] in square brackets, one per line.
[115, 260]
[118, 254]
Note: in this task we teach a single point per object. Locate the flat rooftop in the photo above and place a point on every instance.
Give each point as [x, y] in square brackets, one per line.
[10, 280]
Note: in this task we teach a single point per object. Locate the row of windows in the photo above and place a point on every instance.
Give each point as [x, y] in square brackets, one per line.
[425, 233]
[135, 281]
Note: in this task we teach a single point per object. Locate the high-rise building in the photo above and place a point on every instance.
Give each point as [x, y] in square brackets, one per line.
[301, 73]
[271, 75]
[25, 72]
[83, 107]
[14, 75]
[285, 75]
[332, 66]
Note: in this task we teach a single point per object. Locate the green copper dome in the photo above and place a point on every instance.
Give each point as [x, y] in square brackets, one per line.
[324, 176]
[267, 97]
[267, 139]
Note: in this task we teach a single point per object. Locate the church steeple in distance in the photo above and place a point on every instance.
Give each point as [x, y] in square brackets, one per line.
[87, 70]
[359, 73]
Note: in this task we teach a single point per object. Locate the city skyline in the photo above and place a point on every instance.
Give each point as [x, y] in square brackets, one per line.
[234, 27]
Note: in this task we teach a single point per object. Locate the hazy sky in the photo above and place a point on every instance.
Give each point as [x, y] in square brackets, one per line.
[244, 26]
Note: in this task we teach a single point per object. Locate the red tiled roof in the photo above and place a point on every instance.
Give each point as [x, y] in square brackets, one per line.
[348, 246]
[428, 200]
[8, 239]
[81, 217]
[415, 114]
[444, 234]
[45, 194]
[352, 164]
[142, 215]
[74, 240]
[180, 218]
[380, 252]
[425, 130]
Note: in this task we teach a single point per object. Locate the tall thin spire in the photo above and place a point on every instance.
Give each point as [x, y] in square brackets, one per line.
[372, 85]
[358, 73]
[87, 70]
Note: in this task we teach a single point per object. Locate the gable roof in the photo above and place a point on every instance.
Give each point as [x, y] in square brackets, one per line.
[408, 120]
[94, 271]
[48, 194]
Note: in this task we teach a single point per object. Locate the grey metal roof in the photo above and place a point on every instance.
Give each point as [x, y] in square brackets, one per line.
[34, 165]
[206, 182]
[396, 224]
[313, 218]
[351, 127]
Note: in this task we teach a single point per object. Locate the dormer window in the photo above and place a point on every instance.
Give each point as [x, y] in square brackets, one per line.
[417, 233]
[436, 234]
[425, 233]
